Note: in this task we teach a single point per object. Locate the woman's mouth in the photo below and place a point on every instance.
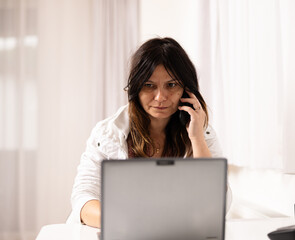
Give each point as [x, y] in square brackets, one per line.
[161, 108]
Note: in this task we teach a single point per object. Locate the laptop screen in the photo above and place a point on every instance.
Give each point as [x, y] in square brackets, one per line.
[167, 198]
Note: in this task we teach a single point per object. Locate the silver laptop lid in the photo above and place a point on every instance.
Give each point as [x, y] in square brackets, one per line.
[159, 199]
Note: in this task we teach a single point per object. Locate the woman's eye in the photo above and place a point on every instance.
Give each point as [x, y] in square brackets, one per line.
[149, 85]
[172, 85]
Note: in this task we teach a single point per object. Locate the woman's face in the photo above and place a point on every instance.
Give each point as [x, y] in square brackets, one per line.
[160, 95]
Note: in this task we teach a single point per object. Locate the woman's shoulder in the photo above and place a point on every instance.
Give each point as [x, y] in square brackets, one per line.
[117, 122]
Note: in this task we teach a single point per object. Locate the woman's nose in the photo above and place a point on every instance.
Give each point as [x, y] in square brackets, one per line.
[161, 95]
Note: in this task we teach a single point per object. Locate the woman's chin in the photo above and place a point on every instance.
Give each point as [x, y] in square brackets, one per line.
[160, 116]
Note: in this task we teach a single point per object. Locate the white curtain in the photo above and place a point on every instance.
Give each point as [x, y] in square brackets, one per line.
[18, 118]
[248, 64]
[116, 38]
[52, 92]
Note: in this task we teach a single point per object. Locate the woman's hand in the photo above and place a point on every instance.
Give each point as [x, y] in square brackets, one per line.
[195, 126]
[90, 213]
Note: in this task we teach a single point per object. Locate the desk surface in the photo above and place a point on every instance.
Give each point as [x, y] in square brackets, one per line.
[235, 230]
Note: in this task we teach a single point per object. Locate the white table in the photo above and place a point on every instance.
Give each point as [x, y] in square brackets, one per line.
[235, 230]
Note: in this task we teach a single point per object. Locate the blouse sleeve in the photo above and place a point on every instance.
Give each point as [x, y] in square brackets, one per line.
[87, 182]
[212, 142]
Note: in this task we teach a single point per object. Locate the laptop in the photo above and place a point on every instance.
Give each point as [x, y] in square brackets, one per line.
[163, 199]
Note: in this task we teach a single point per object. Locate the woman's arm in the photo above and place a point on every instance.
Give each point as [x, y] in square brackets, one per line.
[200, 148]
[86, 189]
[91, 213]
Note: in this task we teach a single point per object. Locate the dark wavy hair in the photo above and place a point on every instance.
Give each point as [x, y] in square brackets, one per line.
[169, 53]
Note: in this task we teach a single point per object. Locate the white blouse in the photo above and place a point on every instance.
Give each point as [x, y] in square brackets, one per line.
[108, 141]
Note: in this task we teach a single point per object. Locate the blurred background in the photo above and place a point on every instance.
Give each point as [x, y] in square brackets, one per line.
[63, 67]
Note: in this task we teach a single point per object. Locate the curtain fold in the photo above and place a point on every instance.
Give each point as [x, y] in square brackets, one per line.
[18, 118]
[287, 104]
[62, 69]
[116, 38]
[252, 82]
[82, 57]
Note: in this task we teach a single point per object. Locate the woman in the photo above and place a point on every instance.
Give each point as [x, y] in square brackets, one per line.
[162, 79]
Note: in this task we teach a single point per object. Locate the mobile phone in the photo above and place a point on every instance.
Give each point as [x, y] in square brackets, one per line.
[184, 116]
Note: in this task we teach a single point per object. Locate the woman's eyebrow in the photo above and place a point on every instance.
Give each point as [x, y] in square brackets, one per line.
[171, 80]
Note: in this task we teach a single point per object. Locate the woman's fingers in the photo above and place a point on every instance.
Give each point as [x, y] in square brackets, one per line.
[193, 101]
[187, 109]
